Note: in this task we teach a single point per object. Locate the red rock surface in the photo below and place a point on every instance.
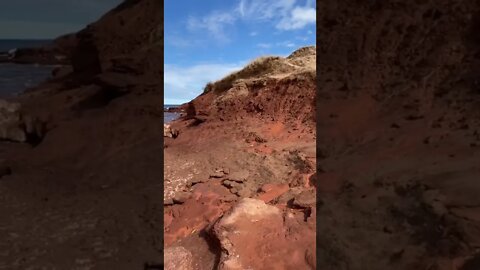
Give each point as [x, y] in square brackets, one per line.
[236, 151]
[259, 236]
[398, 117]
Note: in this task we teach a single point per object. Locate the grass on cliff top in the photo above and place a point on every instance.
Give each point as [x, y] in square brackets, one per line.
[271, 65]
[256, 68]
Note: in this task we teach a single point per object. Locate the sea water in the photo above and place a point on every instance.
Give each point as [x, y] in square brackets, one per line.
[170, 116]
[16, 78]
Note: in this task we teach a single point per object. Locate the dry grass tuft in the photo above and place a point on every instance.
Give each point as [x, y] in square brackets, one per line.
[258, 67]
[301, 59]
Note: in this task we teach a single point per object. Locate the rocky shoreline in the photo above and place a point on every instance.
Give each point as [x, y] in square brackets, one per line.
[58, 52]
[79, 154]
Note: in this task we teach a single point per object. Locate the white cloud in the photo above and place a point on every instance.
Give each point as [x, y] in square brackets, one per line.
[284, 14]
[185, 83]
[264, 45]
[288, 44]
[214, 23]
[299, 18]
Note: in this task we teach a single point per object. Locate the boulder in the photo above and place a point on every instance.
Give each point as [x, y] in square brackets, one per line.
[17, 127]
[170, 132]
[177, 258]
[11, 122]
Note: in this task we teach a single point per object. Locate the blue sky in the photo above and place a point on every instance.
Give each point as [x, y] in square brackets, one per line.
[205, 40]
[48, 19]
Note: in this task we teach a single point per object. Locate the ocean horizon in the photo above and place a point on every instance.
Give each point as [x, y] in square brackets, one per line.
[9, 44]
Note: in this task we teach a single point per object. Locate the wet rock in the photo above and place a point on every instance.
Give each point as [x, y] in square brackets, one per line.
[234, 231]
[170, 132]
[305, 199]
[177, 258]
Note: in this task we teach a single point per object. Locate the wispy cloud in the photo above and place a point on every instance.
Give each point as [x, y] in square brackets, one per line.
[299, 18]
[286, 14]
[186, 82]
[214, 23]
[283, 14]
[181, 42]
[264, 45]
[287, 44]
[263, 9]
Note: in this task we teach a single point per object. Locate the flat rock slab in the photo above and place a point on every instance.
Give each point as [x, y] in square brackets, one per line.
[177, 258]
[253, 235]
